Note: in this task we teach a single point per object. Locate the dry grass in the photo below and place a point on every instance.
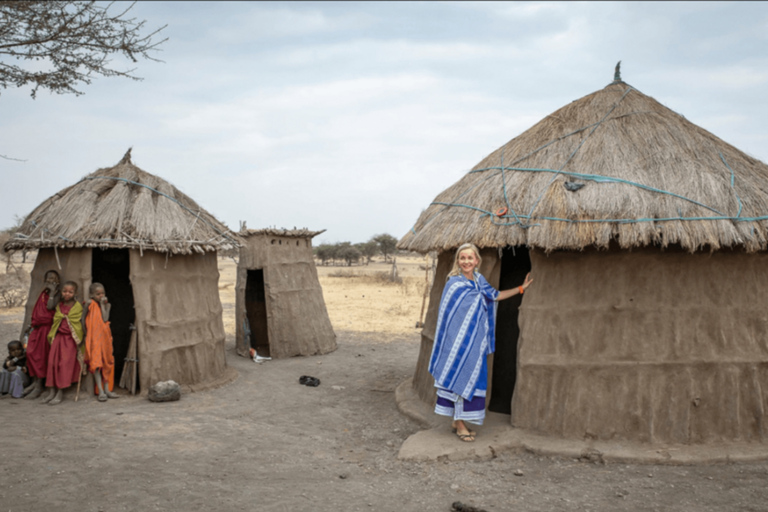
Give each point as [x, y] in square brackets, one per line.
[362, 299]
[359, 299]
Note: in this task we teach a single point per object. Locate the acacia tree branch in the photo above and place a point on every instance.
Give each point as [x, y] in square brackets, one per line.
[72, 41]
[9, 158]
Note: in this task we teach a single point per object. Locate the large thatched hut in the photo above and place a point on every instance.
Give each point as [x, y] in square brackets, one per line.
[280, 310]
[154, 249]
[646, 236]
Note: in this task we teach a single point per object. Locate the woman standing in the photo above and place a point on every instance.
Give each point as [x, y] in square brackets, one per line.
[464, 338]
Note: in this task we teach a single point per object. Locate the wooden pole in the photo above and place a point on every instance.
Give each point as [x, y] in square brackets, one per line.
[426, 291]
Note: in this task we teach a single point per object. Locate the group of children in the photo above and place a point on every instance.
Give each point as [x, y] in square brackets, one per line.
[65, 340]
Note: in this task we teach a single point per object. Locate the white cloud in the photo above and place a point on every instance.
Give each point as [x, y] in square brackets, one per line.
[259, 24]
[738, 77]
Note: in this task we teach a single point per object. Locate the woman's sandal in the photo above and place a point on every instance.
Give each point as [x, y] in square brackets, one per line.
[471, 432]
[467, 438]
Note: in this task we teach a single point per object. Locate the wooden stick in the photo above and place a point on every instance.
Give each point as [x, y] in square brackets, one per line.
[134, 365]
[79, 378]
[426, 290]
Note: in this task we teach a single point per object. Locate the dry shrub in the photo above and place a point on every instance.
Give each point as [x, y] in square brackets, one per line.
[13, 288]
[399, 309]
[382, 278]
[343, 273]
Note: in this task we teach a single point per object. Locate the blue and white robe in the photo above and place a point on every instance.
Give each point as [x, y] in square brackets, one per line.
[463, 339]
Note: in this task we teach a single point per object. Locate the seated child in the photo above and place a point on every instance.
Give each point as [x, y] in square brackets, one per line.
[98, 342]
[13, 376]
[65, 361]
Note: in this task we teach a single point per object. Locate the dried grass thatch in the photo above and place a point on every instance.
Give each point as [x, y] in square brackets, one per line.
[122, 207]
[614, 166]
[288, 233]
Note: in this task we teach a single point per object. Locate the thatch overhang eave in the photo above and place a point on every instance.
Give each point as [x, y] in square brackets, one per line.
[553, 235]
[162, 247]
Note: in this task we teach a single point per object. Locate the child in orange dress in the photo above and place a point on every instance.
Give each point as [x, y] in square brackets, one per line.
[65, 361]
[98, 342]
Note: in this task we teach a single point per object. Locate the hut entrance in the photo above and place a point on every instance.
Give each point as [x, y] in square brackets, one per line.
[256, 311]
[111, 267]
[515, 264]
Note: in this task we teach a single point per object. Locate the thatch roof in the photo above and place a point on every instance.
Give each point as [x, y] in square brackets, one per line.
[122, 207]
[288, 233]
[614, 166]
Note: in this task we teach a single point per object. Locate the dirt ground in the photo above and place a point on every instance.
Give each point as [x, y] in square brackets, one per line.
[264, 442]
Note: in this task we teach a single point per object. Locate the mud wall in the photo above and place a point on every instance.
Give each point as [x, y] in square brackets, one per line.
[649, 346]
[178, 317]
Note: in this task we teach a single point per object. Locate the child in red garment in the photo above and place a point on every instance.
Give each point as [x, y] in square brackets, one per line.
[38, 329]
[98, 342]
[65, 361]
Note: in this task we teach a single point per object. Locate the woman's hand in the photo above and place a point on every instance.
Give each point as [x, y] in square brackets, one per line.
[528, 280]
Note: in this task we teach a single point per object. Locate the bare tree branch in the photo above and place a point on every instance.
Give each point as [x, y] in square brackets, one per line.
[9, 158]
[58, 45]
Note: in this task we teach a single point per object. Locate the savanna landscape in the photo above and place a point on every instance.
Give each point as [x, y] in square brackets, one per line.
[264, 442]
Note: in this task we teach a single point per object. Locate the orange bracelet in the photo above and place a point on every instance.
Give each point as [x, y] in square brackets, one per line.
[522, 290]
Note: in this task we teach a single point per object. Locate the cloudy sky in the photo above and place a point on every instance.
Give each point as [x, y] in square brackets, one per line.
[352, 117]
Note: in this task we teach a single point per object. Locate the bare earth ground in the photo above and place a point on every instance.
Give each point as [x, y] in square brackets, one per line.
[264, 442]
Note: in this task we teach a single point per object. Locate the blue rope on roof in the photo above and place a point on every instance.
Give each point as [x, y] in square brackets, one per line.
[618, 221]
[607, 179]
[519, 218]
[595, 127]
[733, 178]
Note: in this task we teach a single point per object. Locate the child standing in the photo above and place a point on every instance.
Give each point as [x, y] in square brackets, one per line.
[13, 376]
[40, 325]
[98, 342]
[65, 361]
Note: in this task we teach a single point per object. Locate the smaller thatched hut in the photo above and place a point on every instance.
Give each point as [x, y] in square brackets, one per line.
[280, 310]
[154, 249]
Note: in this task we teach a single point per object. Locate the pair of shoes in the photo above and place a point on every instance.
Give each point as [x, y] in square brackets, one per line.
[309, 381]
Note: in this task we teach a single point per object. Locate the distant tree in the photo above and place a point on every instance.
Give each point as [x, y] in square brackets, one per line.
[6, 235]
[368, 250]
[67, 43]
[387, 244]
[348, 253]
[324, 252]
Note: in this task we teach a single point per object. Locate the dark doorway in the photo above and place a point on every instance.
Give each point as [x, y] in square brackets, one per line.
[515, 264]
[256, 311]
[112, 268]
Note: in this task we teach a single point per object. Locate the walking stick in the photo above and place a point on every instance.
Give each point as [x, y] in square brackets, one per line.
[79, 378]
[79, 374]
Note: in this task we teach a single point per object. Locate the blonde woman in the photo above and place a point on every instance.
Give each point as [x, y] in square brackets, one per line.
[464, 337]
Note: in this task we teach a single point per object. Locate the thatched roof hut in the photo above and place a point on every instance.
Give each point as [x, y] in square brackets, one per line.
[122, 207]
[280, 309]
[154, 249]
[646, 236]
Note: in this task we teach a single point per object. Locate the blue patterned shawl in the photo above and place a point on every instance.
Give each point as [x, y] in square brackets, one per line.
[464, 335]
